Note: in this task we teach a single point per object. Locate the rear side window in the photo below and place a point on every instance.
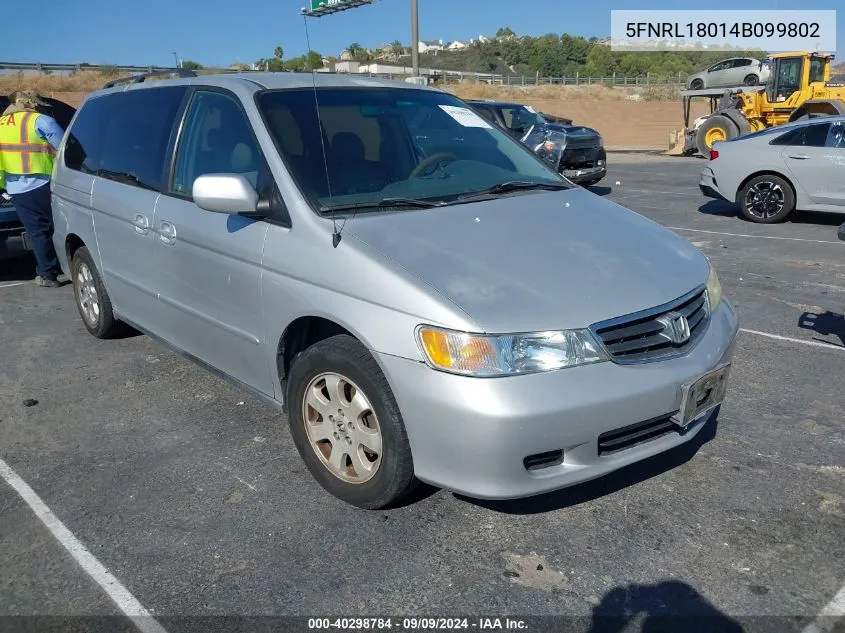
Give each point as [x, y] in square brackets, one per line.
[793, 137]
[85, 138]
[124, 137]
[816, 135]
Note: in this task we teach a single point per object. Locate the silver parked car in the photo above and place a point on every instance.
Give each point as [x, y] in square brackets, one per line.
[728, 73]
[428, 299]
[771, 173]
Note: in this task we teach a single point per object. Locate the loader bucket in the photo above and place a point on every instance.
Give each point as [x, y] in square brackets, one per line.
[677, 142]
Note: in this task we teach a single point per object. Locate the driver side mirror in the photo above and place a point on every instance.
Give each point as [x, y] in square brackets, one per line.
[225, 193]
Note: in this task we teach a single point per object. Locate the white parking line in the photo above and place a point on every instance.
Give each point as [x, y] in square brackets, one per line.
[623, 189]
[762, 237]
[124, 600]
[794, 340]
[19, 283]
[832, 612]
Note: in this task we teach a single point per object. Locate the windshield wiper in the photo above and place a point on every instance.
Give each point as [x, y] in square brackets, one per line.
[508, 187]
[382, 204]
[516, 185]
[125, 178]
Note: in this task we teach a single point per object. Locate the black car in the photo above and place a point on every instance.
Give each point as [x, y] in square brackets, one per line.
[575, 151]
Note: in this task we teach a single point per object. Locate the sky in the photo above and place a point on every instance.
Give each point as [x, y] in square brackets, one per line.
[222, 32]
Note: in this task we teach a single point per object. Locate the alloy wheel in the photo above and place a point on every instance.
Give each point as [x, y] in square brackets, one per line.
[86, 295]
[342, 427]
[765, 199]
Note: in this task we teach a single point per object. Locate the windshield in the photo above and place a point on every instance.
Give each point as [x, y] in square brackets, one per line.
[522, 118]
[392, 143]
[785, 78]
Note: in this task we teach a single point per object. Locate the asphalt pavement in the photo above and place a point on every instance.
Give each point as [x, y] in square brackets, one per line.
[192, 495]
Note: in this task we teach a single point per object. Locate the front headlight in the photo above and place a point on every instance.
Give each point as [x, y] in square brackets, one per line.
[507, 354]
[714, 290]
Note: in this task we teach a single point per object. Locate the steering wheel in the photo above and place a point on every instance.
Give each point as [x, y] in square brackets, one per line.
[434, 159]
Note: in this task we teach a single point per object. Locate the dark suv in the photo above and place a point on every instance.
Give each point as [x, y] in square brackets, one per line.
[576, 152]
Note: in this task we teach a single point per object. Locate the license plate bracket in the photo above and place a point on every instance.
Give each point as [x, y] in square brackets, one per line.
[703, 394]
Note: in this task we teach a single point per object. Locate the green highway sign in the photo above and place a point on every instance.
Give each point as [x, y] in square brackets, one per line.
[326, 7]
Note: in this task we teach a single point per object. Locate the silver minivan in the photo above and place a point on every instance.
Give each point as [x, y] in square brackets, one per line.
[424, 297]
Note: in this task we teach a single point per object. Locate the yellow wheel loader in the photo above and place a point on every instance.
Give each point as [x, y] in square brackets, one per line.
[799, 86]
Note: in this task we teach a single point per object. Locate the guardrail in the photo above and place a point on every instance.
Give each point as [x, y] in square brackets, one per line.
[79, 67]
[437, 75]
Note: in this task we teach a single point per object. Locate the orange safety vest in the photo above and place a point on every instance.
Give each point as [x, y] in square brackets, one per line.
[22, 150]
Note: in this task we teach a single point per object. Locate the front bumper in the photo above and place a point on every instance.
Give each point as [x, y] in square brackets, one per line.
[472, 435]
[708, 185]
[583, 165]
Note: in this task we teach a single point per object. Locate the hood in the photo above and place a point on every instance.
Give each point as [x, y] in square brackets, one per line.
[570, 130]
[530, 263]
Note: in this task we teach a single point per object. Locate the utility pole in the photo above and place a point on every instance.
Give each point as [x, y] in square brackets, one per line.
[415, 38]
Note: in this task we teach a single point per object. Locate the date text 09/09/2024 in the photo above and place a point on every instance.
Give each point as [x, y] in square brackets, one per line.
[677, 30]
[416, 624]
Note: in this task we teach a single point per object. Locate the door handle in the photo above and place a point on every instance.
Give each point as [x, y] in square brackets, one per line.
[141, 224]
[167, 232]
[798, 156]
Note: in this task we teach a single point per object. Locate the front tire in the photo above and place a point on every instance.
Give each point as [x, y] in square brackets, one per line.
[766, 199]
[715, 128]
[92, 299]
[347, 426]
[696, 84]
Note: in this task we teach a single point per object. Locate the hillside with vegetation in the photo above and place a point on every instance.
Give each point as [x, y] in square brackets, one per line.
[565, 55]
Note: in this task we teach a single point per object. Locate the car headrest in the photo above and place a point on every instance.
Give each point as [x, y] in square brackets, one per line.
[242, 158]
[348, 146]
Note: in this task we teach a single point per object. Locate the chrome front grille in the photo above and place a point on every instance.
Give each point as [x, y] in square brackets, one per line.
[656, 334]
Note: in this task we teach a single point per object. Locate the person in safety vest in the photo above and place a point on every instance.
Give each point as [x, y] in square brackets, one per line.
[28, 143]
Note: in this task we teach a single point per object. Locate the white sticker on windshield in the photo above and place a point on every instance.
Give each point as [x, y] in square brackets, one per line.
[530, 109]
[465, 116]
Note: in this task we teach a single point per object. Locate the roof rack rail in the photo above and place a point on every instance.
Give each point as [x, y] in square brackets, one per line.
[136, 79]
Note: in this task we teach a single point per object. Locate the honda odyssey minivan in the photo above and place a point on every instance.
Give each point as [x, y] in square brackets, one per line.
[423, 297]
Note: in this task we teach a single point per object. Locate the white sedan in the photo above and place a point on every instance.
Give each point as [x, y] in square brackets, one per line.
[771, 173]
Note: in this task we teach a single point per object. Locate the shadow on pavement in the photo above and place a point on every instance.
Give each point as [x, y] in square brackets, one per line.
[719, 207]
[608, 484]
[671, 606]
[15, 264]
[826, 323]
[817, 217]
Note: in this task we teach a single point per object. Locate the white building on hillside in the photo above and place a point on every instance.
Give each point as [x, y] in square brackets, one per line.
[431, 46]
[458, 45]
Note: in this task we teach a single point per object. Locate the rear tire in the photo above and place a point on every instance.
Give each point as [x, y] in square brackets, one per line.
[715, 128]
[385, 477]
[766, 199]
[751, 80]
[92, 298]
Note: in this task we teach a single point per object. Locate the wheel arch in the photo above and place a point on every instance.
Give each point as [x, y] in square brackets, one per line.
[766, 172]
[72, 244]
[303, 332]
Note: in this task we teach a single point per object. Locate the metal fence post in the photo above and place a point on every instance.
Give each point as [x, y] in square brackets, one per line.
[577, 77]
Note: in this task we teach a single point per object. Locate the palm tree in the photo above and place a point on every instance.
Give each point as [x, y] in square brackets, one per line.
[354, 49]
[396, 48]
[279, 53]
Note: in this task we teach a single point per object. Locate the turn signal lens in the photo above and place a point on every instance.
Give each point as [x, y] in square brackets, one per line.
[507, 354]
